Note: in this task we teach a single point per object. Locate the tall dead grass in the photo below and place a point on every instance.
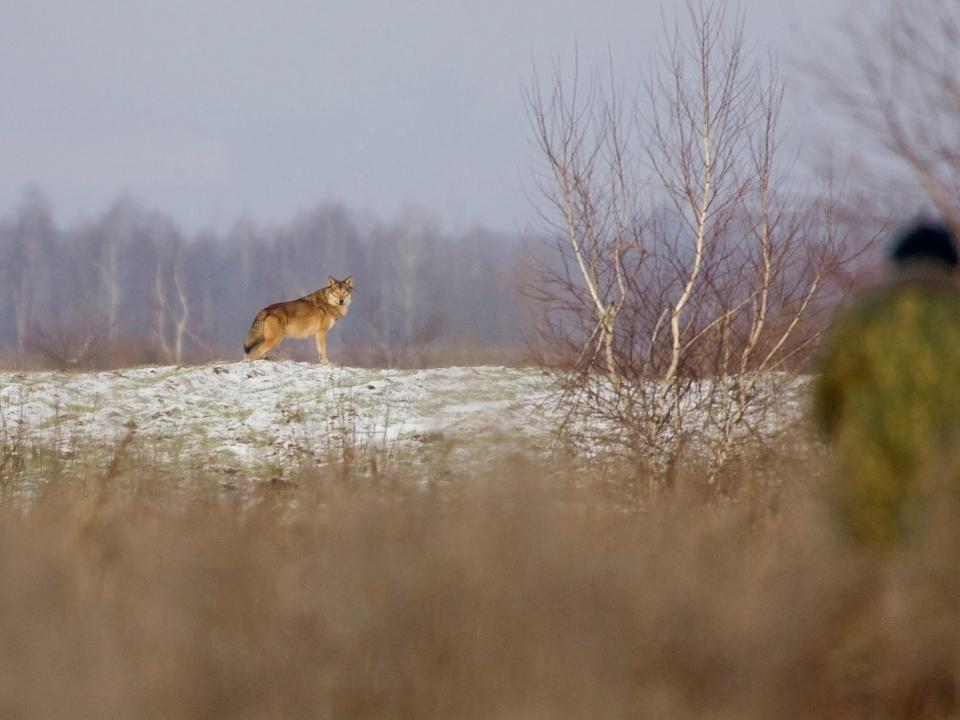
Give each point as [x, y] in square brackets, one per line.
[512, 597]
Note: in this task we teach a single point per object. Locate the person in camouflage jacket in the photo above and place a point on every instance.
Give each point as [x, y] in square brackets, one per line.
[888, 396]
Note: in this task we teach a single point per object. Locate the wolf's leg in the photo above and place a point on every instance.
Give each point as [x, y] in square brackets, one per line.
[322, 347]
[272, 336]
[264, 348]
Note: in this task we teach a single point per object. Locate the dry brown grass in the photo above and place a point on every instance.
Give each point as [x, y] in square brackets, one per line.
[516, 597]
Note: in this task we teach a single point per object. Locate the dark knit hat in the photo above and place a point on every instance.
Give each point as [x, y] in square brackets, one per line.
[926, 242]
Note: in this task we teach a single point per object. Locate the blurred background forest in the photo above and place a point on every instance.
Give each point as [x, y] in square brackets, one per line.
[128, 286]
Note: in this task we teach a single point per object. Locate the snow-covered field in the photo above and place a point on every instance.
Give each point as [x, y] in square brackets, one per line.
[278, 416]
[276, 411]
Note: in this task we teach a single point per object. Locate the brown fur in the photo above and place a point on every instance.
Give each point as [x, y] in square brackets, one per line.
[313, 314]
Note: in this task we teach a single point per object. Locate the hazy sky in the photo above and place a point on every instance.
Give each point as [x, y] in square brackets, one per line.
[212, 110]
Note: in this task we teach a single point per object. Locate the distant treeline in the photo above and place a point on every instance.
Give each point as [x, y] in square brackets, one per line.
[128, 286]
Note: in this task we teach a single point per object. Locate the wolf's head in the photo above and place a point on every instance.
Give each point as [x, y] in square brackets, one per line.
[337, 292]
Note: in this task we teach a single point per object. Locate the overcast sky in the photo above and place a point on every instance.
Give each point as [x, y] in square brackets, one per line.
[212, 110]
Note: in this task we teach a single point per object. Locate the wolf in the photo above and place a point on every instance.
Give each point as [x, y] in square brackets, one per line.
[313, 314]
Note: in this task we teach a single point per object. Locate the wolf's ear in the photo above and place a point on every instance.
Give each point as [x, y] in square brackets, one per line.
[331, 280]
[349, 281]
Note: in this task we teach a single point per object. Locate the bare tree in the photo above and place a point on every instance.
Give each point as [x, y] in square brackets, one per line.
[32, 244]
[404, 318]
[161, 310]
[171, 305]
[588, 183]
[903, 99]
[688, 264]
[111, 237]
[182, 320]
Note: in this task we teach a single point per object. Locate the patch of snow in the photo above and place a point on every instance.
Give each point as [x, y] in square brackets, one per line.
[272, 410]
[249, 412]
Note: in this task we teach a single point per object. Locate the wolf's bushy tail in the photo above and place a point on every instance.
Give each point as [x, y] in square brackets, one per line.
[255, 336]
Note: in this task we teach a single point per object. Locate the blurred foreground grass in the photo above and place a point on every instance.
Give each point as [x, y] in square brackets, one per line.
[538, 589]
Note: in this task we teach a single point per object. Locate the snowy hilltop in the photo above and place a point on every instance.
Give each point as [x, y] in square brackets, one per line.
[272, 418]
[277, 411]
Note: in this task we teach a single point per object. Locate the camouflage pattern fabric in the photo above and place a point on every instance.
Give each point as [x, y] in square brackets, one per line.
[888, 400]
